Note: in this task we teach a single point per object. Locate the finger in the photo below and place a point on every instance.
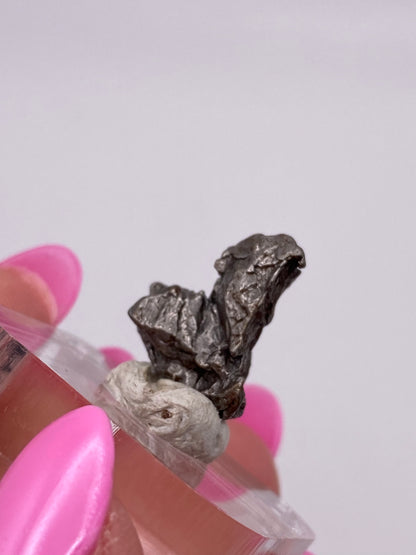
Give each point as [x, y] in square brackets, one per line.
[43, 282]
[263, 415]
[55, 496]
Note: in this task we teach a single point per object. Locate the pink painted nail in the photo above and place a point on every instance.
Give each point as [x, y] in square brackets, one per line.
[58, 268]
[25, 292]
[263, 415]
[115, 356]
[55, 496]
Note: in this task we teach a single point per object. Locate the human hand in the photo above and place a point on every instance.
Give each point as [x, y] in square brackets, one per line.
[44, 283]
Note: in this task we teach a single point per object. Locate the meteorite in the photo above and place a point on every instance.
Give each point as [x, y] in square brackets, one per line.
[206, 342]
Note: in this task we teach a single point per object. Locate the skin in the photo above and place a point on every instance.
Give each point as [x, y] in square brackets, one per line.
[26, 292]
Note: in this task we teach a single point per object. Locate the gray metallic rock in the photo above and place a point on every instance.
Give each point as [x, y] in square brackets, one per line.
[206, 342]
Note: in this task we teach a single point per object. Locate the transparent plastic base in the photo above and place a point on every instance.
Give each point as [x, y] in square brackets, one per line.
[176, 504]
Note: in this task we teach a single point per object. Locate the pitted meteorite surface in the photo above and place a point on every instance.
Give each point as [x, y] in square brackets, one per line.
[206, 342]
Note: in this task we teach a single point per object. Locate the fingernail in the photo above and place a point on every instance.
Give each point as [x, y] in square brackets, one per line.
[59, 269]
[55, 496]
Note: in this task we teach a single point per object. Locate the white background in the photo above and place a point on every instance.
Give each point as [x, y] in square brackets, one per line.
[148, 136]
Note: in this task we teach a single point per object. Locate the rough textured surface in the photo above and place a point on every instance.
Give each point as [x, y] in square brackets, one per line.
[206, 343]
[173, 411]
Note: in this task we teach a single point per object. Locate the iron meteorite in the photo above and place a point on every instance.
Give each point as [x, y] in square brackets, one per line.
[206, 342]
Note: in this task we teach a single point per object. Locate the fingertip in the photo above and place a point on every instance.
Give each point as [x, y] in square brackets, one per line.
[55, 496]
[115, 356]
[263, 415]
[60, 270]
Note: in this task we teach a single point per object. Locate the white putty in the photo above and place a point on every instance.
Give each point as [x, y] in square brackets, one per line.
[177, 413]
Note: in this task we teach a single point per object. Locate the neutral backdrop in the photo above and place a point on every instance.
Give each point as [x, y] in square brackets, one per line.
[148, 136]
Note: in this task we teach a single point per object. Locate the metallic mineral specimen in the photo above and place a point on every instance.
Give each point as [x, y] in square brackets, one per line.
[206, 342]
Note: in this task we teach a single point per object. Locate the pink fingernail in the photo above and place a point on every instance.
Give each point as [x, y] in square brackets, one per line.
[58, 267]
[25, 292]
[115, 356]
[263, 415]
[55, 496]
